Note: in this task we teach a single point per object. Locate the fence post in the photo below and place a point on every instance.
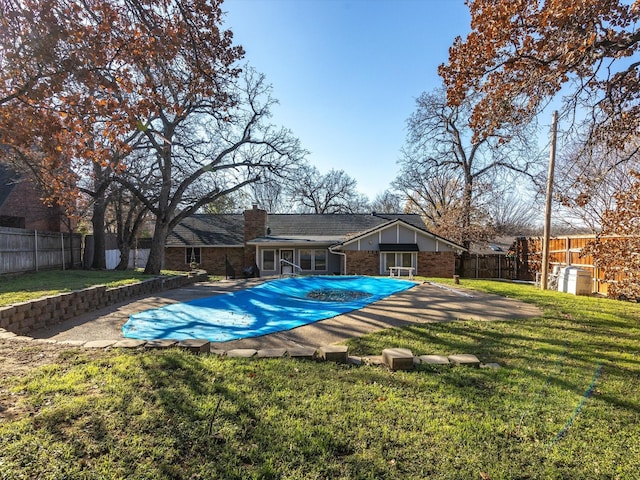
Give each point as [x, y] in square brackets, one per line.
[62, 241]
[35, 237]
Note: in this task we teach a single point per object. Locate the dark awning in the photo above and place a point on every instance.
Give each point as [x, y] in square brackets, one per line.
[399, 247]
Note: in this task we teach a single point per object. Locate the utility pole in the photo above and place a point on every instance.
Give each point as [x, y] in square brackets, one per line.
[547, 207]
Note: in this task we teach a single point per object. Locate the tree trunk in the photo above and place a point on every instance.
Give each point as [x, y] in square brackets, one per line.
[99, 259]
[156, 254]
[125, 250]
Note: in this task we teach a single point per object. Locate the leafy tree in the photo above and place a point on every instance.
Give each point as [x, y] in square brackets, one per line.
[520, 54]
[616, 247]
[447, 175]
[160, 79]
[31, 36]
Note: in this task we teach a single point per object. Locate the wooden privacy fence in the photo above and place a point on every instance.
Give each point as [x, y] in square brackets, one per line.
[523, 261]
[32, 250]
[487, 266]
[563, 251]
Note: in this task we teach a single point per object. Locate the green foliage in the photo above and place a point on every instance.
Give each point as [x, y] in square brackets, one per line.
[171, 414]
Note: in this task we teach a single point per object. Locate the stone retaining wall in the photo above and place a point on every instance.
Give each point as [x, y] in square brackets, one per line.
[25, 317]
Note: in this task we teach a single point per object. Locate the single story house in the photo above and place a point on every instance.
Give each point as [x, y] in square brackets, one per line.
[333, 244]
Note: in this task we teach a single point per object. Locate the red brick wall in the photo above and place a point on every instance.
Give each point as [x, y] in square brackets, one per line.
[255, 225]
[213, 260]
[430, 264]
[24, 201]
[436, 264]
[363, 262]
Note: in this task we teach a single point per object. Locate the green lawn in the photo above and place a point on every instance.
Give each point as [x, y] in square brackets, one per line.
[29, 286]
[564, 405]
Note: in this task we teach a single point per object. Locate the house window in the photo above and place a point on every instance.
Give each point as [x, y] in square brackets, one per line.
[313, 260]
[398, 259]
[13, 222]
[320, 258]
[192, 254]
[305, 259]
[268, 260]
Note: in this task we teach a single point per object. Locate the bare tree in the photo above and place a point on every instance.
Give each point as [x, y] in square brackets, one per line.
[513, 212]
[455, 169]
[333, 192]
[270, 193]
[206, 152]
[389, 202]
[434, 193]
[587, 178]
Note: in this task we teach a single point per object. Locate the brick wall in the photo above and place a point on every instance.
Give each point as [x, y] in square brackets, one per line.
[255, 225]
[22, 318]
[436, 264]
[174, 259]
[363, 262]
[430, 264]
[24, 202]
[211, 259]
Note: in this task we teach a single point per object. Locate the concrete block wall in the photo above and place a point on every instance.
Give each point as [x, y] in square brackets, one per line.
[25, 317]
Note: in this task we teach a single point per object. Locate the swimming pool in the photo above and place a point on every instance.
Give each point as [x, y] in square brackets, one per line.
[270, 307]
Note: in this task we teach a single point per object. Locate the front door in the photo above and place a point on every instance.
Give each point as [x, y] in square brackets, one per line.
[286, 266]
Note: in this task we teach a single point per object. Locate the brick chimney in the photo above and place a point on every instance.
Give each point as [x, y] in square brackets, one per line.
[255, 225]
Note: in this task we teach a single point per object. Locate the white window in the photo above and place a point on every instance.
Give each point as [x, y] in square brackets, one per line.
[268, 260]
[320, 260]
[397, 259]
[313, 260]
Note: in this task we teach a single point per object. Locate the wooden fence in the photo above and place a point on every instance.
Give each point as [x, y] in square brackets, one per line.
[524, 260]
[487, 266]
[563, 251]
[31, 250]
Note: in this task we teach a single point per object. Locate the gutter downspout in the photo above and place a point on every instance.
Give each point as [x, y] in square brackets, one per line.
[344, 255]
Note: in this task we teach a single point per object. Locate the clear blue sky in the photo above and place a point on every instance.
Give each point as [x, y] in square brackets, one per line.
[347, 72]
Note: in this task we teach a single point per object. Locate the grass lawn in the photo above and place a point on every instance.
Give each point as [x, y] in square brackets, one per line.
[28, 286]
[564, 405]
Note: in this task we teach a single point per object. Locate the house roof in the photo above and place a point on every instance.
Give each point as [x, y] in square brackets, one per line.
[497, 246]
[283, 229]
[331, 225]
[202, 230]
[8, 180]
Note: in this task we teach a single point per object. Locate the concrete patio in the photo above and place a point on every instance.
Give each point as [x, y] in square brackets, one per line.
[424, 303]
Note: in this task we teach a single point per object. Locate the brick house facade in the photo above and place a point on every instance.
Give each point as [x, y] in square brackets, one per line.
[351, 244]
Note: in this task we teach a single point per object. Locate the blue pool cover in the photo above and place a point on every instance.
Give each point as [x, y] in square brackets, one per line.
[270, 307]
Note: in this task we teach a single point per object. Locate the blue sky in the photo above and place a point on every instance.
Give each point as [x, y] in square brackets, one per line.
[347, 72]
